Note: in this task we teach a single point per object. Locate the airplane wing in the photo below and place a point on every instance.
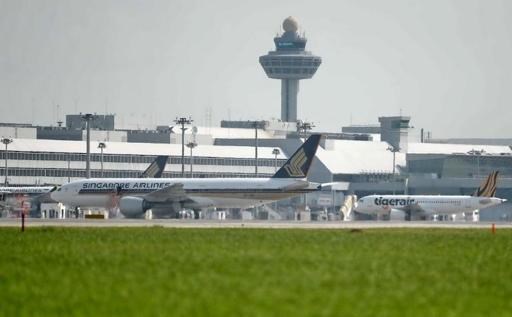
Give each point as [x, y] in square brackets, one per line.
[415, 209]
[173, 193]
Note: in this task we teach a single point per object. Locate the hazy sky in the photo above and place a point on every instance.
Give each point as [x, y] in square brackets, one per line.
[446, 63]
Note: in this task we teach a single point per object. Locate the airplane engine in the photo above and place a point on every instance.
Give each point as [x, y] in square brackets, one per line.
[133, 207]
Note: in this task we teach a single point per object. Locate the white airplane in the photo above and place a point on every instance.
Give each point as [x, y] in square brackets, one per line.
[19, 197]
[398, 206]
[26, 198]
[167, 196]
[25, 190]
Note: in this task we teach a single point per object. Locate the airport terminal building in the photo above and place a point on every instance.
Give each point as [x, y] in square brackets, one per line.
[367, 160]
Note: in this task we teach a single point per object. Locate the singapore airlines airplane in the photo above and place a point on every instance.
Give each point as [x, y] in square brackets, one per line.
[15, 195]
[424, 205]
[12, 196]
[167, 196]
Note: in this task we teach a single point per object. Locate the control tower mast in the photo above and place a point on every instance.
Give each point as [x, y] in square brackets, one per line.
[290, 62]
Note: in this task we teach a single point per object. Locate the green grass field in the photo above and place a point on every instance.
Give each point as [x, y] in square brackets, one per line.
[252, 272]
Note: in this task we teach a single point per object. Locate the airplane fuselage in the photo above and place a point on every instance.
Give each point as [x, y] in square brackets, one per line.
[203, 193]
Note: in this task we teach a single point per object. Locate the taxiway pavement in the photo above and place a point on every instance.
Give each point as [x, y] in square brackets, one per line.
[182, 223]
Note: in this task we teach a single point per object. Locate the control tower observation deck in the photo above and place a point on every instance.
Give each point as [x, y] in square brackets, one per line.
[290, 62]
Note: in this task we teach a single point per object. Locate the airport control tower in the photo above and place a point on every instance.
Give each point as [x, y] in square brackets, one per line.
[290, 62]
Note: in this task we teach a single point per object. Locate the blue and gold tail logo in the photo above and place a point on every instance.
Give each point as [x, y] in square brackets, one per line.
[294, 168]
[298, 164]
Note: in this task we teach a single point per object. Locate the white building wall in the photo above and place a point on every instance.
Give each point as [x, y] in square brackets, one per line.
[16, 132]
[105, 136]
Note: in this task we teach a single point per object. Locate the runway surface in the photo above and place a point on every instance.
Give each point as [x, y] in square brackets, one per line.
[180, 223]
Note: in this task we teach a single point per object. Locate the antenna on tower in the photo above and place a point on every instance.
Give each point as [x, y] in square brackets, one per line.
[54, 107]
[59, 121]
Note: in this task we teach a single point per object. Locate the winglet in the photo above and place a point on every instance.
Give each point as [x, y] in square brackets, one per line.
[156, 168]
[488, 187]
[298, 164]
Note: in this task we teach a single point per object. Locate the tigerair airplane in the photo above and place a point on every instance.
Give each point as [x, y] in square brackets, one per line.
[397, 206]
[167, 196]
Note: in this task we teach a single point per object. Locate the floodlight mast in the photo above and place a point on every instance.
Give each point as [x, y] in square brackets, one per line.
[394, 150]
[88, 117]
[182, 121]
[102, 146]
[6, 142]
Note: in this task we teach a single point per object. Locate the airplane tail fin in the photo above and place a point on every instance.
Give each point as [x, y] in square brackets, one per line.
[298, 164]
[156, 168]
[488, 187]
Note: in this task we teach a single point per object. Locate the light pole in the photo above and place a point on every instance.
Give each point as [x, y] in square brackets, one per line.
[6, 141]
[304, 127]
[183, 121]
[394, 149]
[101, 146]
[69, 168]
[276, 152]
[191, 145]
[256, 148]
[87, 118]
